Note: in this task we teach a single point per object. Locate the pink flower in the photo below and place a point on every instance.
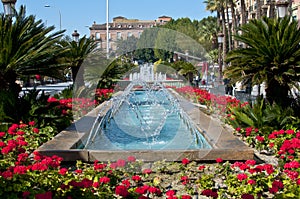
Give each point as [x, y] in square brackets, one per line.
[247, 196]
[32, 123]
[2, 134]
[186, 197]
[251, 162]
[131, 159]
[52, 99]
[185, 161]
[242, 176]
[121, 163]
[126, 183]
[219, 160]
[147, 171]
[154, 190]
[210, 193]
[25, 194]
[20, 169]
[136, 178]
[251, 181]
[184, 180]
[96, 184]
[104, 180]
[201, 167]
[47, 195]
[63, 171]
[260, 138]
[170, 193]
[36, 130]
[121, 190]
[142, 190]
[290, 131]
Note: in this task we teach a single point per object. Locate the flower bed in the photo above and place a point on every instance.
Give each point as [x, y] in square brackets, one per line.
[25, 173]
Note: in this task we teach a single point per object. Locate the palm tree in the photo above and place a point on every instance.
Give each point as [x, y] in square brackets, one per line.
[75, 54]
[27, 47]
[207, 33]
[272, 56]
[219, 6]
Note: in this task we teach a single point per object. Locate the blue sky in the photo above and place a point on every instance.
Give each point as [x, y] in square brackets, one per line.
[80, 14]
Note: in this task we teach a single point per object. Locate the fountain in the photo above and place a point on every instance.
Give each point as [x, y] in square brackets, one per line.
[150, 122]
[144, 118]
[146, 73]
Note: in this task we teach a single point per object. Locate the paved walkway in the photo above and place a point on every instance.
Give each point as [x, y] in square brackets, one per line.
[48, 88]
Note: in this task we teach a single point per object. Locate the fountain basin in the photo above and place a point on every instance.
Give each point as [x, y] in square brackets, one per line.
[223, 144]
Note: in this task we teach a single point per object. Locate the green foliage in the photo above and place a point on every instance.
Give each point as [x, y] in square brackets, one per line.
[272, 56]
[103, 74]
[262, 115]
[67, 93]
[74, 55]
[27, 47]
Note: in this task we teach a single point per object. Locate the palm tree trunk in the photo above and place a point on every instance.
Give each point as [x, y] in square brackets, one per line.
[277, 93]
[228, 25]
[243, 11]
[234, 23]
[224, 38]
[258, 9]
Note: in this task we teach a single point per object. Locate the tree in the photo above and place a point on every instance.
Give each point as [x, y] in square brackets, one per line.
[75, 54]
[207, 32]
[127, 46]
[27, 47]
[272, 56]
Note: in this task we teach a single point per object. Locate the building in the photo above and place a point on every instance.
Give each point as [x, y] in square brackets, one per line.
[268, 8]
[122, 28]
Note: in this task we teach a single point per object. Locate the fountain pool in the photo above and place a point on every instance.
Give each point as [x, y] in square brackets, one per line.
[147, 118]
[129, 125]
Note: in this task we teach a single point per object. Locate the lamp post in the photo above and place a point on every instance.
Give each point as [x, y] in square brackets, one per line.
[75, 36]
[48, 6]
[282, 8]
[107, 30]
[220, 42]
[9, 6]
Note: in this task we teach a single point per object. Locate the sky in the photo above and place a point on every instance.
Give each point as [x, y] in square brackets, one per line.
[81, 14]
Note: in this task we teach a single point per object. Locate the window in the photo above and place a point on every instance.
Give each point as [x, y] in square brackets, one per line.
[97, 35]
[119, 35]
[119, 26]
[129, 34]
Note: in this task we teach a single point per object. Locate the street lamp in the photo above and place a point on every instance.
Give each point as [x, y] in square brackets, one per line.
[282, 8]
[107, 29]
[220, 42]
[75, 36]
[9, 6]
[48, 6]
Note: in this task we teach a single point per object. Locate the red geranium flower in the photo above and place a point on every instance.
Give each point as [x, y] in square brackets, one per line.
[131, 159]
[63, 171]
[242, 176]
[104, 180]
[136, 178]
[121, 190]
[185, 161]
[186, 197]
